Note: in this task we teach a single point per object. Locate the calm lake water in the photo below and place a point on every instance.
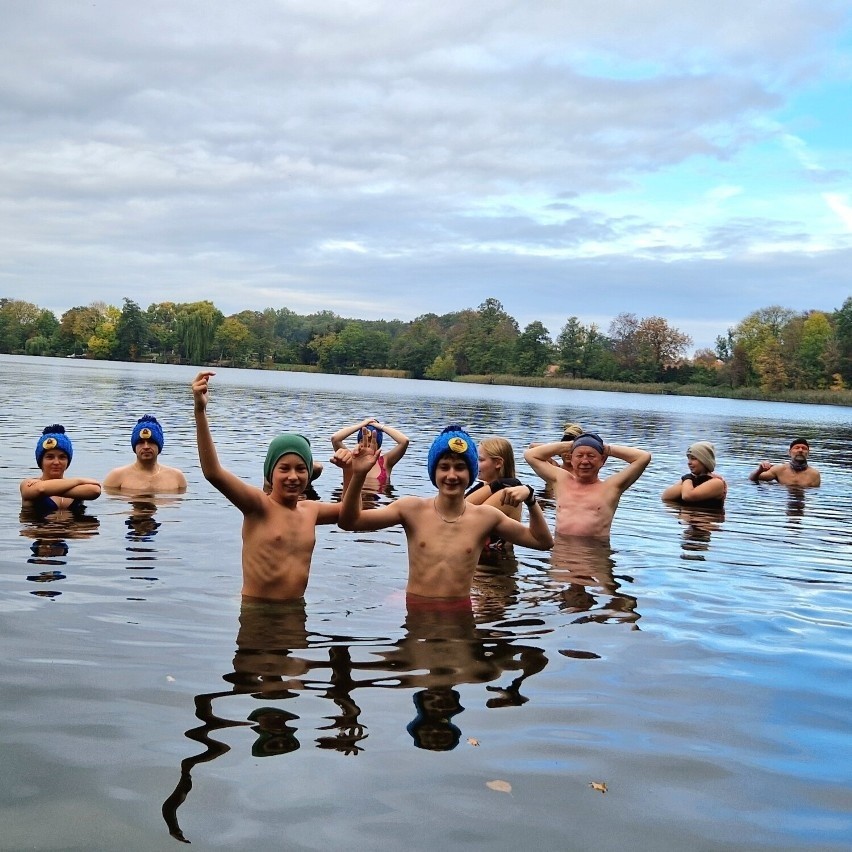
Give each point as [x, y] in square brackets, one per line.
[700, 667]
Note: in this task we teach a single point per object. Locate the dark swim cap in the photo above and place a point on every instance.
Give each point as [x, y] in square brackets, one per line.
[800, 441]
[374, 429]
[589, 439]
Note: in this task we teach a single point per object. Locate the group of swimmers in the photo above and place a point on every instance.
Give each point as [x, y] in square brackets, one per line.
[477, 504]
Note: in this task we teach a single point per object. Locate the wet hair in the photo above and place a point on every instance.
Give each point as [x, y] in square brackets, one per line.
[499, 448]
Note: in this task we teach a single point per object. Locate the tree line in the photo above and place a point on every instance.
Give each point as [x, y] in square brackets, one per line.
[773, 348]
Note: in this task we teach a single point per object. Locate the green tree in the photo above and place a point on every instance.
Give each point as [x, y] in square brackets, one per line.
[18, 322]
[842, 321]
[196, 325]
[232, 340]
[815, 350]
[534, 350]
[417, 346]
[483, 341]
[442, 369]
[131, 333]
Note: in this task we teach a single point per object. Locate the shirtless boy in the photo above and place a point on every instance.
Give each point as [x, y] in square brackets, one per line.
[445, 533]
[797, 471]
[146, 473]
[279, 528]
[586, 504]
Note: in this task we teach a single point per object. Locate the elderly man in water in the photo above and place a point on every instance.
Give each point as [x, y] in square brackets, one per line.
[585, 503]
[797, 471]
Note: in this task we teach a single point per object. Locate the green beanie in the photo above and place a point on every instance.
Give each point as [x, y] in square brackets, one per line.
[288, 442]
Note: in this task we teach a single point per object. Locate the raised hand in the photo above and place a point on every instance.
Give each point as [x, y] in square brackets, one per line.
[199, 389]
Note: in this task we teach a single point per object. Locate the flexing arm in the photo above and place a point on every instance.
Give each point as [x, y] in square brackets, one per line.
[536, 535]
[242, 495]
[637, 460]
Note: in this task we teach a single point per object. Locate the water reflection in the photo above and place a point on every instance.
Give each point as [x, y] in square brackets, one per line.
[795, 504]
[698, 526]
[277, 658]
[50, 535]
[584, 568]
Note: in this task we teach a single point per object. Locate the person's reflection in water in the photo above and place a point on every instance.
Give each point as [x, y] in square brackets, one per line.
[50, 535]
[584, 567]
[141, 524]
[698, 526]
[266, 668]
[443, 648]
[795, 504]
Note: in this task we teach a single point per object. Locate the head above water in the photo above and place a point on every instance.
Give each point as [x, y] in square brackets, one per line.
[802, 441]
[499, 448]
[282, 445]
[53, 438]
[705, 452]
[147, 428]
[589, 439]
[570, 431]
[375, 430]
[453, 441]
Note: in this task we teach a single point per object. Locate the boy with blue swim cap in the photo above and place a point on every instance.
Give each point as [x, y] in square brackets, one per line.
[279, 527]
[445, 533]
[146, 474]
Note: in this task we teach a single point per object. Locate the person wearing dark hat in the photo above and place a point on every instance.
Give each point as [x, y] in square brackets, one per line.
[445, 533]
[702, 486]
[52, 492]
[585, 503]
[146, 473]
[797, 471]
[279, 528]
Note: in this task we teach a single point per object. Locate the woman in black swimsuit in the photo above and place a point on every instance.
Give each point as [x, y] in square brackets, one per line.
[52, 492]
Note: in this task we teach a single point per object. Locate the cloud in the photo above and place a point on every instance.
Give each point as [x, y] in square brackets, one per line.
[392, 159]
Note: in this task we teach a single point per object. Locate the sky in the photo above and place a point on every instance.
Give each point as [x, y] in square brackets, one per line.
[384, 159]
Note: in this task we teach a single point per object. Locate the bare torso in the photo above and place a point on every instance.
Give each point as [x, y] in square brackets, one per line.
[807, 478]
[585, 509]
[278, 543]
[134, 477]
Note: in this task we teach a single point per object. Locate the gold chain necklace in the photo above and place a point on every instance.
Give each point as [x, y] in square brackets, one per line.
[446, 520]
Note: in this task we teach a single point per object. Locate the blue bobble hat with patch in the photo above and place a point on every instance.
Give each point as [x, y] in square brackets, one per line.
[53, 438]
[147, 428]
[453, 441]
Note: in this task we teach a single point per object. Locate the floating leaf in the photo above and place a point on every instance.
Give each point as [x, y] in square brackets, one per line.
[600, 786]
[499, 786]
[473, 741]
[169, 679]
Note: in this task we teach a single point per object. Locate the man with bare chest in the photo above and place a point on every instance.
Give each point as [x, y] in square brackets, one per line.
[585, 503]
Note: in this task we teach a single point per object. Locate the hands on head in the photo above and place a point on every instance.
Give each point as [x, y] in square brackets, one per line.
[361, 458]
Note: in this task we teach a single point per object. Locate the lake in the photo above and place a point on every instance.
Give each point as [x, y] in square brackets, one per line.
[698, 667]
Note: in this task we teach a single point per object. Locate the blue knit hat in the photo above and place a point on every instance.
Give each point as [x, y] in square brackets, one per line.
[53, 438]
[453, 441]
[374, 429]
[147, 428]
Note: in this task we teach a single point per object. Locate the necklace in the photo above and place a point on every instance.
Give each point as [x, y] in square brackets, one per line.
[447, 520]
